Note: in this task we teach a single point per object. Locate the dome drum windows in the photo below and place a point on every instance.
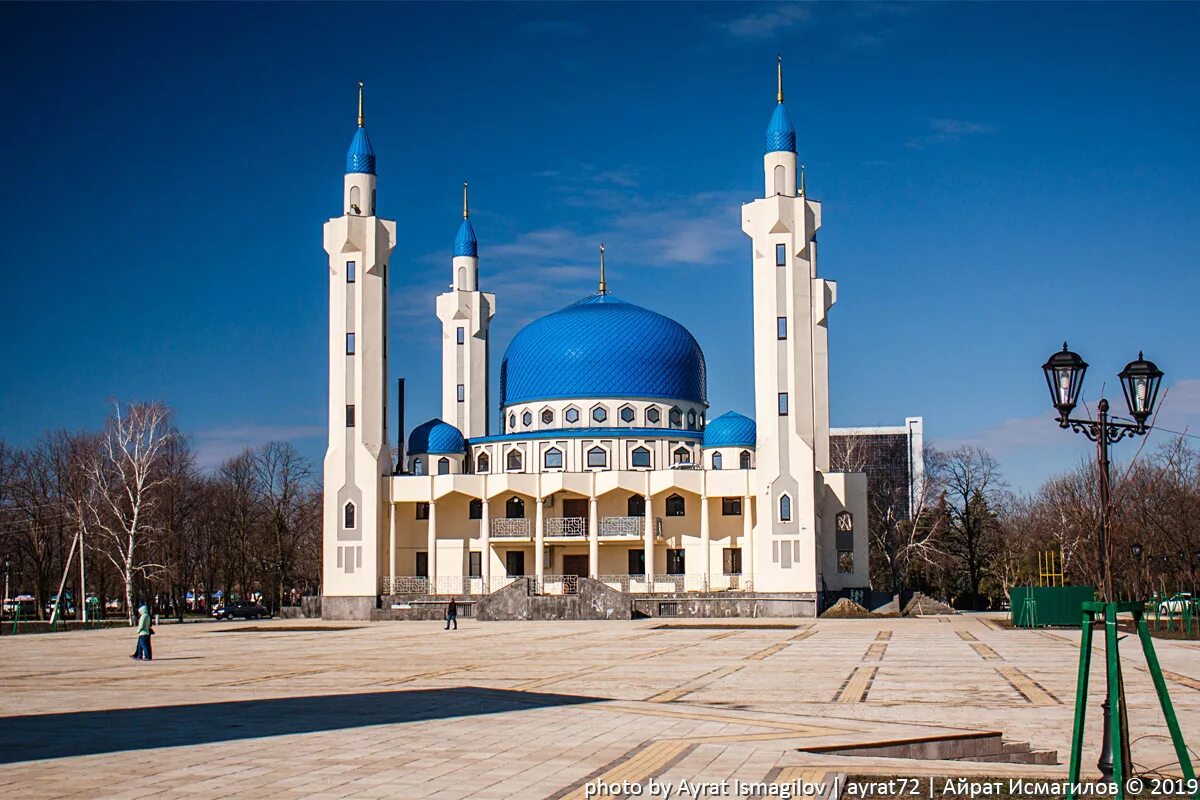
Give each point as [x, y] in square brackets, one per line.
[691, 418]
[716, 460]
[640, 457]
[512, 461]
[653, 415]
[553, 458]
[627, 414]
[676, 417]
[547, 416]
[744, 460]
[526, 418]
[599, 414]
[597, 457]
[443, 466]
[571, 415]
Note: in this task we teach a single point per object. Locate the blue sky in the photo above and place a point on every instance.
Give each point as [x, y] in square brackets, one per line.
[995, 178]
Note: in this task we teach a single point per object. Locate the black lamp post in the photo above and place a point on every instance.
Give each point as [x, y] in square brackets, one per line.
[1140, 380]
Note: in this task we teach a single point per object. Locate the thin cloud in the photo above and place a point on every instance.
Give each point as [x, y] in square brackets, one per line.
[769, 22]
[947, 131]
[216, 445]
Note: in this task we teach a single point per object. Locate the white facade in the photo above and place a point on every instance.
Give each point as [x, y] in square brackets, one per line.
[605, 466]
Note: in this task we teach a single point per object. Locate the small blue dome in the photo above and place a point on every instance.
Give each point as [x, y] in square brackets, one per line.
[603, 347]
[781, 136]
[731, 429]
[437, 438]
[361, 156]
[465, 243]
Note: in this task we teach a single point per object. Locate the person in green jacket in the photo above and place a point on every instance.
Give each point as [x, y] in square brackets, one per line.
[143, 651]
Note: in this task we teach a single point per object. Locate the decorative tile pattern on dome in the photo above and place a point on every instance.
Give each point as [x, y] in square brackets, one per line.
[781, 136]
[465, 243]
[361, 156]
[731, 429]
[603, 347]
[436, 437]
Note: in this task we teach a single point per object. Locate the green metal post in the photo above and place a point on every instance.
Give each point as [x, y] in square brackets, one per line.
[1113, 664]
[1081, 688]
[1164, 699]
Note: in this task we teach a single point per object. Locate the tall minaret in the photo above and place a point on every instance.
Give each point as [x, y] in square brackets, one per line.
[791, 386]
[359, 245]
[465, 313]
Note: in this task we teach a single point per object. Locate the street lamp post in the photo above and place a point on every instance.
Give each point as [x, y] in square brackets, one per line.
[1140, 380]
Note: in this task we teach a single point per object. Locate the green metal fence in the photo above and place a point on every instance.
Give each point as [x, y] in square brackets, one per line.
[1039, 606]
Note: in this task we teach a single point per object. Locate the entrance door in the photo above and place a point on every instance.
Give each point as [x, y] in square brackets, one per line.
[514, 563]
[574, 507]
[575, 565]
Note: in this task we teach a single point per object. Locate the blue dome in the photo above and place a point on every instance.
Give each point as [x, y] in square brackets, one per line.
[437, 438]
[361, 156]
[780, 133]
[603, 347]
[465, 243]
[731, 429]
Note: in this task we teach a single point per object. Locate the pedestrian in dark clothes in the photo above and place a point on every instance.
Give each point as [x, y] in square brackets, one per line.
[452, 614]
[143, 651]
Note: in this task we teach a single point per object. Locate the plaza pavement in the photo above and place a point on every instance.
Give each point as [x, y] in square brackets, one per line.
[276, 709]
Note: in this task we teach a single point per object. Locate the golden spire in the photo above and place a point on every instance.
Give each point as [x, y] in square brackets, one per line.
[779, 78]
[802, 178]
[603, 283]
[360, 114]
[464, 199]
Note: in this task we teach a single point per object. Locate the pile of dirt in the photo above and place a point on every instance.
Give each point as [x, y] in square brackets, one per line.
[923, 605]
[846, 609]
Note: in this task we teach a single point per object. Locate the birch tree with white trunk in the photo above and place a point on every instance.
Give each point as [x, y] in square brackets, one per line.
[125, 476]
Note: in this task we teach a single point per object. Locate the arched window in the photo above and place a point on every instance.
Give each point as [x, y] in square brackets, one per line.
[744, 460]
[571, 415]
[599, 413]
[676, 417]
[597, 457]
[513, 460]
[348, 517]
[780, 179]
[636, 506]
[785, 508]
[653, 415]
[354, 200]
[514, 508]
[443, 466]
[462, 278]
[475, 509]
[553, 458]
[682, 456]
[418, 466]
[675, 506]
[483, 463]
[547, 416]
[640, 457]
[716, 460]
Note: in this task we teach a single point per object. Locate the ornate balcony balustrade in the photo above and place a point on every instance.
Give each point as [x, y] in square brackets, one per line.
[566, 526]
[627, 526]
[511, 528]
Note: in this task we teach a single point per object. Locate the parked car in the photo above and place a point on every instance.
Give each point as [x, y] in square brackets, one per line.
[243, 610]
[1175, 604]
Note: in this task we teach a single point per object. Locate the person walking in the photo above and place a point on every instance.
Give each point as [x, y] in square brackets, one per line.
[143, 651]
[452, 614]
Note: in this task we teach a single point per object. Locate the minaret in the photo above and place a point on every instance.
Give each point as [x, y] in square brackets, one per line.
[465, 313]
[790, 366]
[359, 245]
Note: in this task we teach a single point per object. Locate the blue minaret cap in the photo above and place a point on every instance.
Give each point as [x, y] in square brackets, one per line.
[465, 243]
[781, 136]
[361, 156]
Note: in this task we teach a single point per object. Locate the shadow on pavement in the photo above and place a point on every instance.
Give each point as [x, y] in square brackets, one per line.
[83, 733]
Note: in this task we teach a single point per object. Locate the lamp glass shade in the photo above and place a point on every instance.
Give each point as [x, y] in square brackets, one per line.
[1064, 378]
[1140, 381]
[1136, 550]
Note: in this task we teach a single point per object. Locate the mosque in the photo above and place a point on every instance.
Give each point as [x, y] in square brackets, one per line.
[609, 465]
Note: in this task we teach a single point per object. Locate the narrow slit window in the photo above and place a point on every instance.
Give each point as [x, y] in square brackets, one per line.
[351, 272]
[462, 335]
[785, 508]
[781, 255]
[462, 393]
[349, 344]
[350, 416]
[783, 404]
[781, 327]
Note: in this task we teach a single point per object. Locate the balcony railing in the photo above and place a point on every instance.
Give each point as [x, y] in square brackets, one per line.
[511, 528]
[561, 584]
[627, 526]
[566, 526]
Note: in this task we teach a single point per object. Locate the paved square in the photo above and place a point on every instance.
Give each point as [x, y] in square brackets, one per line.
[534, 710]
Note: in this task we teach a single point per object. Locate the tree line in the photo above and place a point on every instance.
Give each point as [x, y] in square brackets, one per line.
[154, 526]
[964, 536]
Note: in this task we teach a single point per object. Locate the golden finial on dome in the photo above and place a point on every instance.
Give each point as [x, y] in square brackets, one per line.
[464, 199]
[360, 110]
[603, 283]
[802, 178]
[779, 78]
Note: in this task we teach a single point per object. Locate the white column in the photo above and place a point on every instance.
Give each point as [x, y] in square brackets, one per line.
[747, 538]
[431, 548]
[593, 537]
[649, 544]
[705, 543]
[485, 528]
[392, 558]
[539, 552]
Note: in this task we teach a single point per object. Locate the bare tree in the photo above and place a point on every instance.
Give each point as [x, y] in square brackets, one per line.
[970, 482]
[283, 477]
[126, 476]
